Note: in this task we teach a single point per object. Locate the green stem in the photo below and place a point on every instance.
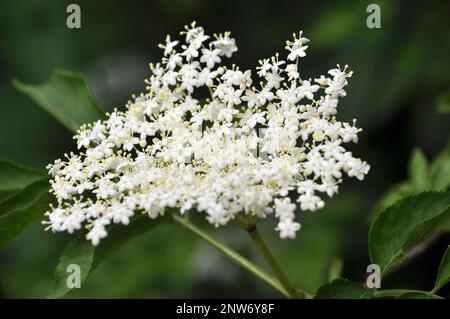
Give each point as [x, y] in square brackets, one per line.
[273, 264]
[250, 226]
[234, 256]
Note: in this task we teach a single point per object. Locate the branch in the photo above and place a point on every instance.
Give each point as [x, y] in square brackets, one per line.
[233, 255]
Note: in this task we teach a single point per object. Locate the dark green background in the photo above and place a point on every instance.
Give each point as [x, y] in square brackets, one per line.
[399, 72]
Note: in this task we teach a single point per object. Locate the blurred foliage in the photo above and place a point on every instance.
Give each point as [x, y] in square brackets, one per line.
[400, 71]
[444, 103]
[422, 176]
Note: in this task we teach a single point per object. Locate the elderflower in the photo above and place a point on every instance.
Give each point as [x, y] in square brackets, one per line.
[258, 147]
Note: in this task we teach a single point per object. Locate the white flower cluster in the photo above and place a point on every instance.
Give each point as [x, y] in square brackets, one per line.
[249, 148]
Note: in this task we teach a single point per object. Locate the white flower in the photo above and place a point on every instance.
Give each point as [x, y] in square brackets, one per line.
[288, 96]
[194, 35]
[210, 57]
[297, 47]
[307, 90]
[265, 95]
[226, 114]
[172, 148]
[96, 233]
[169, 46]
[308, 201]
[288, 229]
[336, 85]
[251, 98]
[225, 44]
[292, 72]
[264, 67]
[206, 77]
[173, 61]
[284, 208]
[357, 168]
[129, 143]
[349, 133]
[190, 51]
[327, 106]
[120, 213]
[232, 96]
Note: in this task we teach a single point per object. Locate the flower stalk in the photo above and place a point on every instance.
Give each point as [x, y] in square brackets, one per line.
[274, 266]
[234, 256]
[252, 229]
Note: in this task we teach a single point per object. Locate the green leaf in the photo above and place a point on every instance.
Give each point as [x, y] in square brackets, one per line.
[403, 225]
[440, 170]
[22, 209]
[418, 170]
[443, 104]
[443, 276]
[418, 295]
[390, 197]
[23, 198]
[440, 177]
[14, 176]
[81, 252]
[66, 97]
[404, 294]
[342, 289]
[119, 235]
